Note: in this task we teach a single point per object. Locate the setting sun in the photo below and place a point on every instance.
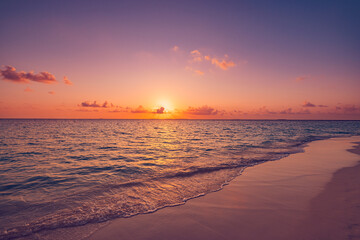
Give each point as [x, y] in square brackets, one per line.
[166, 104]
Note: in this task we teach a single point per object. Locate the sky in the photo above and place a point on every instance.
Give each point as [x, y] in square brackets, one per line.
[180, 59]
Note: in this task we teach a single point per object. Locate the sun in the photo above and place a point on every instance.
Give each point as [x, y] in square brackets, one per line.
[166, 104]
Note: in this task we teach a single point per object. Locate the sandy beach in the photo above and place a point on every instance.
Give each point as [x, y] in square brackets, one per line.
[309, 195]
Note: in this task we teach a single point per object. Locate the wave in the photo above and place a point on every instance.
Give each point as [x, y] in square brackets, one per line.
[122, 202]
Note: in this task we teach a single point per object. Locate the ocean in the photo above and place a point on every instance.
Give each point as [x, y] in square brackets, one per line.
[62, 173]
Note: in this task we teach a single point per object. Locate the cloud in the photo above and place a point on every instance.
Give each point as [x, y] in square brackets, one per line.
[204, 110]
[10, 74]
[105, 104]
[202, 59]
[27, 89]
[160, 110]
[67, 81]
[140, 109]
[223, 64]
[175, 48]
[196, 56]
[51, 92]
[348, 109]
[88, 104]
[308, 104]
[96, 105]
[287, 111]
[195, 52]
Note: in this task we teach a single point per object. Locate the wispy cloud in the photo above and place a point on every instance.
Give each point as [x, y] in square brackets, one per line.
[119, 109]
[198, 72]
[10, 74]
[28, 89]
[204, 110]
[51, 92]
[195, 71]
[67, 81]
[140, 109]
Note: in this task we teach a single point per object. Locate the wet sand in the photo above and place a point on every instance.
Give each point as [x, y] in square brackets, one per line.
[309, 195]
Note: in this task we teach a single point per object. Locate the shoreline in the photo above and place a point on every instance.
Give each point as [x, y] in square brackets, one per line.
[332, 218]
[250, 183]
[196, 217]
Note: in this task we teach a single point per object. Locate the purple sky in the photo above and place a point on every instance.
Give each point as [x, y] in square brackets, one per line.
[244, 59]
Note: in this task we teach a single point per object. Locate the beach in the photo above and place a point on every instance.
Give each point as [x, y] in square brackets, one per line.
[179, 120]
[308, 195]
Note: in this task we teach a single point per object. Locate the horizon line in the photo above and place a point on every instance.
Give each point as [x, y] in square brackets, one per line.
[214, 119]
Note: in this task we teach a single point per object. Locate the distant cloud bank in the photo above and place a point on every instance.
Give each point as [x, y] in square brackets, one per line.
[204, 110]
[309, 104]
[95, 104]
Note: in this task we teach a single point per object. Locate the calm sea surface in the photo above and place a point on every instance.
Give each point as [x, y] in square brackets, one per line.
[58, 173]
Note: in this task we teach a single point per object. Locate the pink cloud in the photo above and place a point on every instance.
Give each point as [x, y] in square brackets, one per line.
[223, 64]
[51, 92]
[204, 110]
[196, 56]
[67, 81]
[10, 74]
[195, 52]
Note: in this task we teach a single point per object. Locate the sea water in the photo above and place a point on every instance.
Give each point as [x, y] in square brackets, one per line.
[61, 173]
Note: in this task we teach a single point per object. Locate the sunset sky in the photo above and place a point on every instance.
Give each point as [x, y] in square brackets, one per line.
[180, 59]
